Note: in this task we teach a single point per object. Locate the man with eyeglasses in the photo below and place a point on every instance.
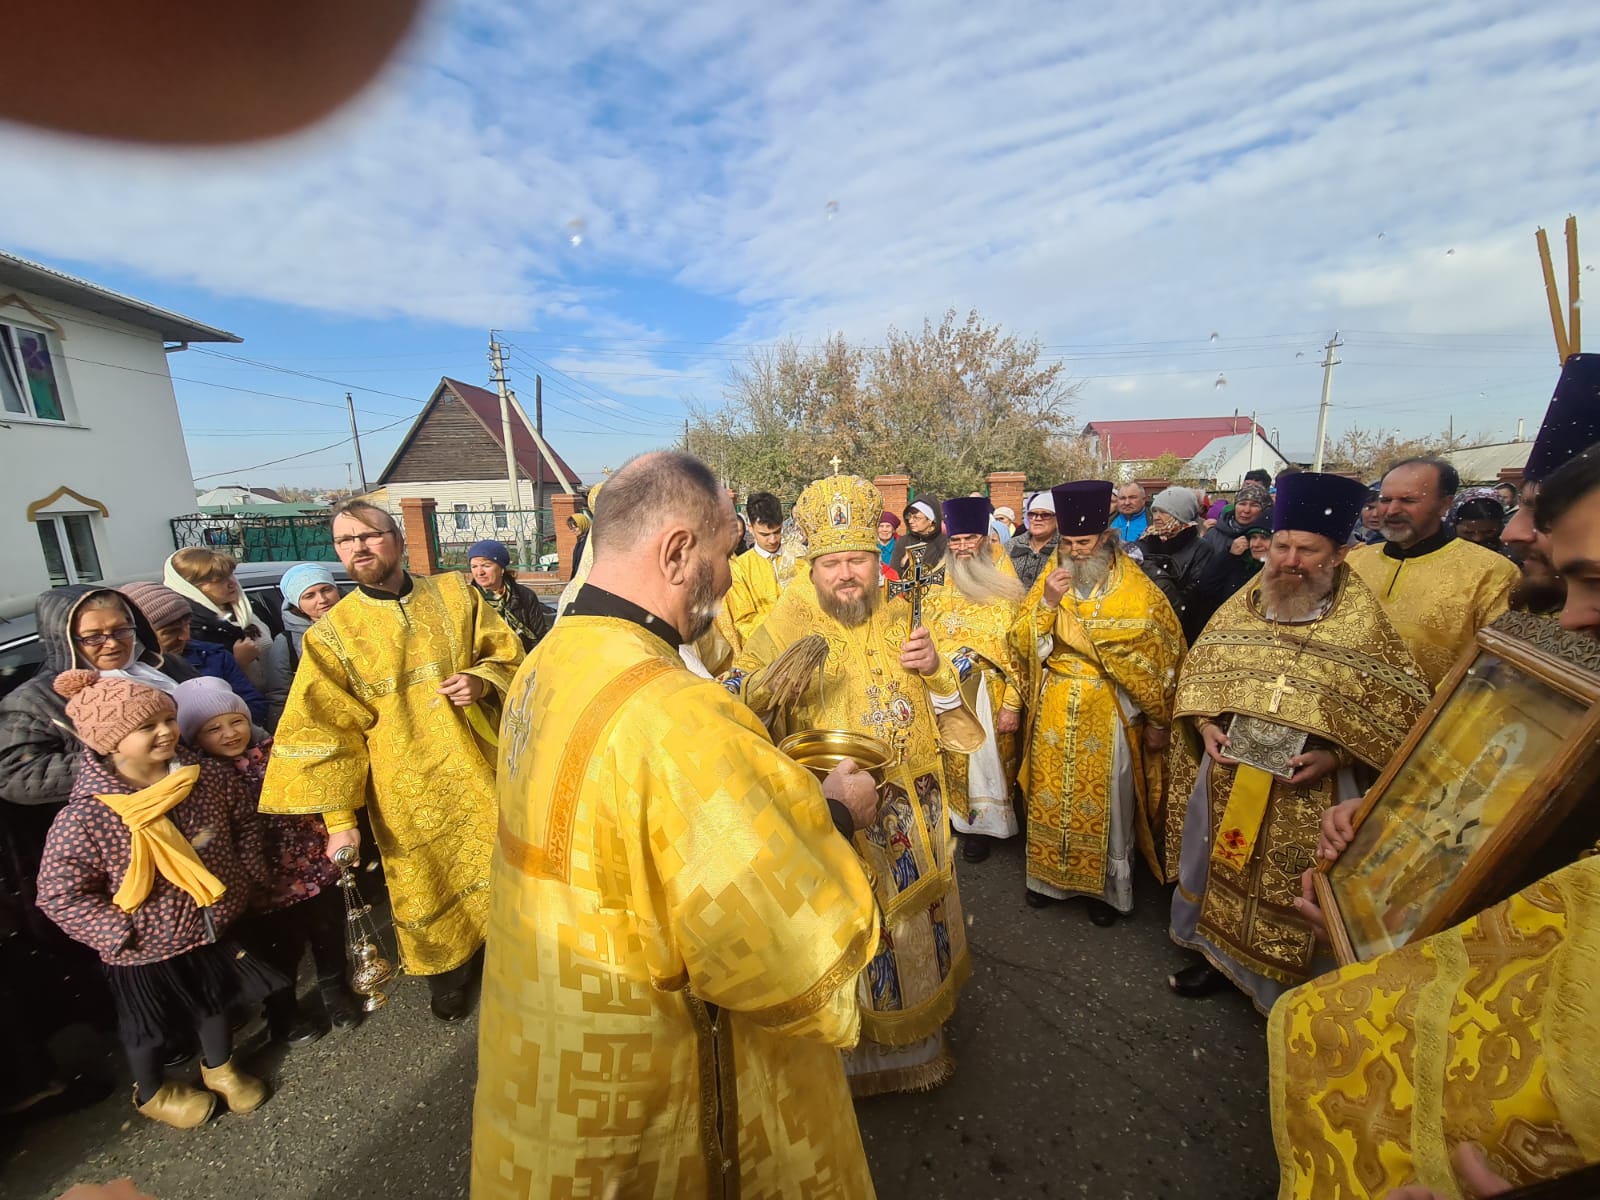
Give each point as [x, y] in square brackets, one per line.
[1032, 548]
[396, 705]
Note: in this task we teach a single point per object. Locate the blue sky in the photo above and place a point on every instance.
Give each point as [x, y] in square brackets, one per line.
[1120, 181]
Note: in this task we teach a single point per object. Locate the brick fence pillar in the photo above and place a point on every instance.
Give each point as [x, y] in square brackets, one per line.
[1008, 489]
[422, 536]
[895, 489]
[562, 506]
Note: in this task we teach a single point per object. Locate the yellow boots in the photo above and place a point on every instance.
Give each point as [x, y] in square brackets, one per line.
[179, 1105]
[244, 1093]
[184, 1106]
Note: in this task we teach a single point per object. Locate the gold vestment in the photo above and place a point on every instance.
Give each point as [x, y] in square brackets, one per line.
[751, 595]
[676, 932]
[910, 987]
[1438, 601]
[364, 725]
[977, 640]
[1485, 1033]
[1348, 680]
[1125, 636]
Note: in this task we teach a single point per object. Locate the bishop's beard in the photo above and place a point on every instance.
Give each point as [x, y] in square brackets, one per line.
[979, 580]
[852, 612]
[1295, 595]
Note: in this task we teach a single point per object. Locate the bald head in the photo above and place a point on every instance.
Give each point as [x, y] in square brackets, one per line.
[654, 492]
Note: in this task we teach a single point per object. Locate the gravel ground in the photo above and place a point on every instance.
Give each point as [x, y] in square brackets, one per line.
[1079, 1074]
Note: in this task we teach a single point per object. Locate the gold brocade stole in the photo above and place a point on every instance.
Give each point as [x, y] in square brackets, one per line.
[553, 859]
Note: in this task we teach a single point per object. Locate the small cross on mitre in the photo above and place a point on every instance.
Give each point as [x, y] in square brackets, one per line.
[835, 462]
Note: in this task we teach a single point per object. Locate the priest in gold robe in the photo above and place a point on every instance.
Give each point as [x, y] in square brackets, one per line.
[759, 575]
[884, 679]
[1102, 647]
[1438, 589]
[1304, 676]
[676, 926]
[394, 708]
[1484, 1034]
[972, 615]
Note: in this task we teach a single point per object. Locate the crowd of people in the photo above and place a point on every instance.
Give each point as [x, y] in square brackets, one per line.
[695, 944]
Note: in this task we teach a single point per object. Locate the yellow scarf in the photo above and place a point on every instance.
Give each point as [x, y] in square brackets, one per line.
[156, 844]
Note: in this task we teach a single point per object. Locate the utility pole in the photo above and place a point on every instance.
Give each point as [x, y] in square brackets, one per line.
[538, 481]
[514, 503]
[1328, 364]
[355, 436]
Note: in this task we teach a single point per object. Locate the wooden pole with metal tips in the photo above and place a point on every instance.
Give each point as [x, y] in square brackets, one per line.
[1551, 294]
[1574, 302]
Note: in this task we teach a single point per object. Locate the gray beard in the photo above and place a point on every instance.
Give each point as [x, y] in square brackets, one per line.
[980, 581]
[703, 606]
[1090, 575]
[849, 613]
[1295, 597]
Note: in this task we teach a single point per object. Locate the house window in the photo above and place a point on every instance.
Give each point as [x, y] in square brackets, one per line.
[501, 521]
[463, 521]
[70, 554]
[28, 383]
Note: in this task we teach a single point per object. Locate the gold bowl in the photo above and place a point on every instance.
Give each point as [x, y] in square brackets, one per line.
[821, 750]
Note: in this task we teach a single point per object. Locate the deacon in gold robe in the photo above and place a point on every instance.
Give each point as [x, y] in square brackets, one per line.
[1437, 589]
[1302, 674]
[1485, 1033]
[676, 926]
[884, 679]
[972, 615]
[1102, 646]
[394, 708]
[759, 575]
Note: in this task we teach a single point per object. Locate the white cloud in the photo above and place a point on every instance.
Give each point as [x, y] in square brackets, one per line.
[1092, 174]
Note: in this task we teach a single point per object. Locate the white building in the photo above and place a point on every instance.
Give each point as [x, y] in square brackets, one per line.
[95, 466]
[1224, 461]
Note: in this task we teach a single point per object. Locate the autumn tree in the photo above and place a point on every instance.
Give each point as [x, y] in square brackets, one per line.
[947, 405]
[1368, 453]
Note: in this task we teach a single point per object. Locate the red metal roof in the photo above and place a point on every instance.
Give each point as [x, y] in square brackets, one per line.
[1133, 441]
[485, 405]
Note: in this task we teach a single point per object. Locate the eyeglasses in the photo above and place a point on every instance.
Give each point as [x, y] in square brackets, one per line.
[1041, 516]
[93, 641]
[366, 539]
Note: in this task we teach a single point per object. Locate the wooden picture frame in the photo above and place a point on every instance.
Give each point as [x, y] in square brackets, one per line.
[1495, 765]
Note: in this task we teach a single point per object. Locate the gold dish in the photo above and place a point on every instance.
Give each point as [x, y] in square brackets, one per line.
[820, 751]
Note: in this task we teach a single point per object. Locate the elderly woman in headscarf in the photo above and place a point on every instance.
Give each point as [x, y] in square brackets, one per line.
[922, 528]
[1251, 508]
[489, 562]
[1175, 556]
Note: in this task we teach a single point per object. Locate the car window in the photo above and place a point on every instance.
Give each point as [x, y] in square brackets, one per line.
[19, 662]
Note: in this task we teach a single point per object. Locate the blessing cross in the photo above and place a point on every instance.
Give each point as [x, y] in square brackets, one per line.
[1280, 685]
[834, 462]
[916, 582]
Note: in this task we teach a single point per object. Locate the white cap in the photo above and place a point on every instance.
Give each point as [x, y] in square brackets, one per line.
[1043, 501]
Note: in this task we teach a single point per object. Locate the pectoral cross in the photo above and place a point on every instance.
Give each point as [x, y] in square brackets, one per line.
[1280, 685]
[835, 462]
[915, 584]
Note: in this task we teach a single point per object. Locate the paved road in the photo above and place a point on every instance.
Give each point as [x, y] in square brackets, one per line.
[1080, 1075]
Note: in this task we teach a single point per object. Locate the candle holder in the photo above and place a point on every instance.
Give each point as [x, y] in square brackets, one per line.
[372, 975]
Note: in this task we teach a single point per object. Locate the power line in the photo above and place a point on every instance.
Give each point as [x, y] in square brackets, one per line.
[292, 457]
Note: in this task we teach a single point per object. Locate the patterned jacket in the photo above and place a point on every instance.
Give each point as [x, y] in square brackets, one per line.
[296, 848]
[87, 854]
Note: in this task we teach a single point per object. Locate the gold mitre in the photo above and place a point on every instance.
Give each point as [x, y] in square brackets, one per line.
[839, 513]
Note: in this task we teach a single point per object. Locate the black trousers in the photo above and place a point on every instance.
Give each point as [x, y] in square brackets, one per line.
[283, 936]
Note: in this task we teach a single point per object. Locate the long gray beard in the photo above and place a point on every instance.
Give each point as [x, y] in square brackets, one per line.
[850, 613]
[1090, 575]
[1286, 597]
[980, 581]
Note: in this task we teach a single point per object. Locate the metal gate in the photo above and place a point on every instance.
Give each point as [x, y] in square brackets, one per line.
[528, 533]
[254, 538]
